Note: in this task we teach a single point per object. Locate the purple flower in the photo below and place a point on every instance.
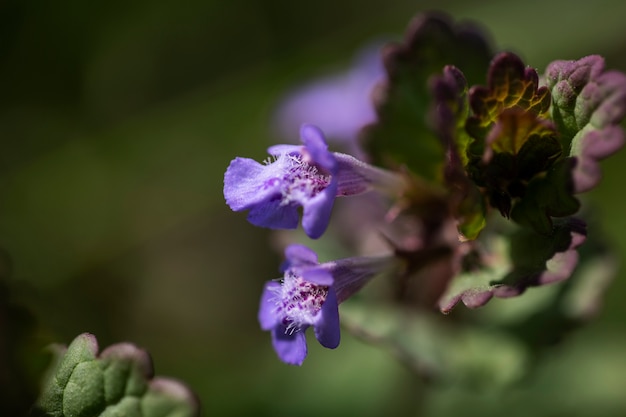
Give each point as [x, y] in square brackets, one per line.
[309, 295]
[307, 176]
[340, 104]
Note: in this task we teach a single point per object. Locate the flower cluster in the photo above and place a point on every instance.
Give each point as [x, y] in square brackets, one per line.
[308, 177]
[479, 183]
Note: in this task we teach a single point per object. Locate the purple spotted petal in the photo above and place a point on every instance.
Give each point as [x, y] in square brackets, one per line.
[327, 329]
[289, 346]
[267, 309]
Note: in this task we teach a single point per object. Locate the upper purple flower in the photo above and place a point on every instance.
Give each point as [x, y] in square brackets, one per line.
[299, 176]
[309, 295]
[307, 176]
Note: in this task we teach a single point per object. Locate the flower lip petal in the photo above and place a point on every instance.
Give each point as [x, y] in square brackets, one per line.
[290, 346]
[268, 319]
[247, 182]
[327, 330]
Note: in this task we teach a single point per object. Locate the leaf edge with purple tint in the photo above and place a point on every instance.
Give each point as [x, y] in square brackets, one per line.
[402, 136]
[588, 105]
[512, 269]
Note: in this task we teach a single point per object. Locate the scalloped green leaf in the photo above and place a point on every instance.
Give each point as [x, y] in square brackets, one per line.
[403, 135]
[517, 155]
[513, 260]
[118, 382]
[588, 105]
[520, 148]
[437, 348]
[542, 317]
[510, 84]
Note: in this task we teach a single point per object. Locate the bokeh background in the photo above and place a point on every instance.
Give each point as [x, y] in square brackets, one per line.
[117, 121]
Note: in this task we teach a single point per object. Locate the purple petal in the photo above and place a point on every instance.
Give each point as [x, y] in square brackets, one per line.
[300, 255]
[290, 347]
[316, 146]
[318, 276]
[316, 213]
[274, 215]
[267, 309]
[339, 104]
[351, 180]
[284, 149]
[246, 183]
[327, 329]
[351, 274]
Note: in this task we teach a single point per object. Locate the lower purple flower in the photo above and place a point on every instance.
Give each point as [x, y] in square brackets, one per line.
[309, 295]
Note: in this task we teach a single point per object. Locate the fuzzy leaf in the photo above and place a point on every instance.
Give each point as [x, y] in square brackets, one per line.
[517, 155]
[543, 316]
[119, 382]
[516, 260]
[436, 348]
[403, 136]
[588, 105]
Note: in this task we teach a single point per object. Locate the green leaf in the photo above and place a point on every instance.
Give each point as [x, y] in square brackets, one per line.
[514, 258]
[517, 153]
[403, 135]
[117, 383]
[588, 105]
[436, 347]
[451, 110]
[543, 316]
[510, 84]
[547, 196]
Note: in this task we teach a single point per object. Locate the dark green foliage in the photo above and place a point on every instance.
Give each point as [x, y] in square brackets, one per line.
[403, 135]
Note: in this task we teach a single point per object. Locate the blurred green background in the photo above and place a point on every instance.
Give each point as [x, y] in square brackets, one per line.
[118, 120]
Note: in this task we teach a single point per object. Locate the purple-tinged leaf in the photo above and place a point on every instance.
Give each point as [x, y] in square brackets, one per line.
[403, 135]
[436, 348]
[588, 105]
[510, 263]
[510, 84]
[449, 113]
